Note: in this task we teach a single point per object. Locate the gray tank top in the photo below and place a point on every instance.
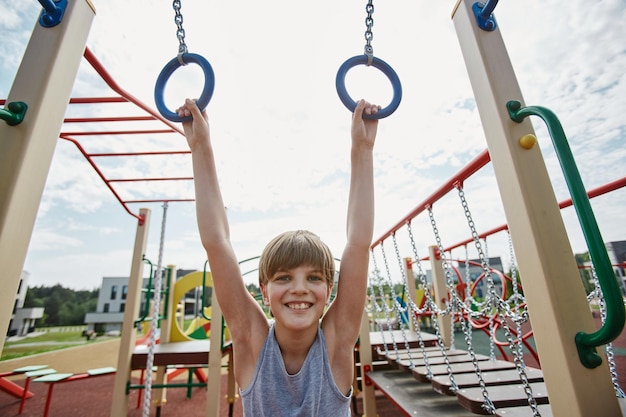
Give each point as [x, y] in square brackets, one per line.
[309, 393]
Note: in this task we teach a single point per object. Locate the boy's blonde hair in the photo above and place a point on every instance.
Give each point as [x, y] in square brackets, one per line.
[295, 248]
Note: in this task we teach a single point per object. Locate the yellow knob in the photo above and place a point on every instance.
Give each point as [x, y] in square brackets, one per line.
[528, 141]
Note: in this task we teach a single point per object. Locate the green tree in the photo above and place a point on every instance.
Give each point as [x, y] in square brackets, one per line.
[63, 306]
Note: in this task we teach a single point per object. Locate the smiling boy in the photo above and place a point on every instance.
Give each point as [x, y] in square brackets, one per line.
[301, 363]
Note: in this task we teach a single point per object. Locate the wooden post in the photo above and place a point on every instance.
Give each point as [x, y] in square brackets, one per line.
[44, 82]
[554, 292]
[119, 406]
[440, 294]
[366, 363]
[214, 377]
[410, 285]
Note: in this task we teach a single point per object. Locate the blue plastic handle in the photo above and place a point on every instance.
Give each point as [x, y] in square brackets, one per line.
[386, 69]
[52, 13]
[166, 73]
[484, 16]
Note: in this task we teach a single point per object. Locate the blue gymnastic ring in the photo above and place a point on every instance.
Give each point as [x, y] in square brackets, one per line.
[166, 73]
[386, 69]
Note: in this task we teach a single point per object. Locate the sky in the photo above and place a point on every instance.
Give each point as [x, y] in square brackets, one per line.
[281, 134]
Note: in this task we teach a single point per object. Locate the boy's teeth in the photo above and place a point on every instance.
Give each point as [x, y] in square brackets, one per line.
[299, 306]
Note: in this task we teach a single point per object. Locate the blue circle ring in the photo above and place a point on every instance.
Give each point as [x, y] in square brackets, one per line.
[340, 84]
[166, 73]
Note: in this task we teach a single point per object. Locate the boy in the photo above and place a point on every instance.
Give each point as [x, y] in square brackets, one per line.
[297, 365]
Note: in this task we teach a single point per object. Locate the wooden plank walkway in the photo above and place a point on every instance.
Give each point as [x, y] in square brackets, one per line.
[442, 384]
[413, 398]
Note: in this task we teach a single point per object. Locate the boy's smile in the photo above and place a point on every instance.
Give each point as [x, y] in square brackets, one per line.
[299, 306]
[301, 292]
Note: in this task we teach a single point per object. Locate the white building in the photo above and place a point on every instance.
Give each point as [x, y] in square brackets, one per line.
[109, 314]
[617, 256]
[23, 319]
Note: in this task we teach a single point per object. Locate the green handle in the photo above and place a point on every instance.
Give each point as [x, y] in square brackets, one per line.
[615, 316]
[14, 115]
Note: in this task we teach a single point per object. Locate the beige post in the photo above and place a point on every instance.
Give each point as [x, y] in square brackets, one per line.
[231, 394]
[44, 82]
[552, 286]
[160, 394]
[365, 356]
[410, 285]
[214, 377]
[440, 294]
[119, 406]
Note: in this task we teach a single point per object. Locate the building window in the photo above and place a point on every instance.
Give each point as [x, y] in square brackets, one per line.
[124, 291]
[122, 306]
[106, 308]
[113, 292]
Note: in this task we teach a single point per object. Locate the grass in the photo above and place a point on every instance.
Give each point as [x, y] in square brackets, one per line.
[45, 342]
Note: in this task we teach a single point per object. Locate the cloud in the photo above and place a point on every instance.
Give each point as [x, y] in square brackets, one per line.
[281, 135]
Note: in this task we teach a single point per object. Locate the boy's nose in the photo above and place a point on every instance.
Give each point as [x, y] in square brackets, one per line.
[299, 284]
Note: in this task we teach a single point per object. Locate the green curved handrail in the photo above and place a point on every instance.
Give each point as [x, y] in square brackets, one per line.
[148, 292]
[615, 314]
[14, 113]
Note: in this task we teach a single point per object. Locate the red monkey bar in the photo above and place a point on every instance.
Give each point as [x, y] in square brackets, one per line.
[151, 115]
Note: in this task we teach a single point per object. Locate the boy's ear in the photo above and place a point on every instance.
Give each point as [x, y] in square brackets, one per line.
[266, 300]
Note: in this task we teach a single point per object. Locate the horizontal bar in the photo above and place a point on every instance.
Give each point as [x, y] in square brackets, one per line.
[596, 192]
[119, 132]
[163, 200]
[95, 100]
[476, 164]
[108, 119]
[140, 153]
[152, 179]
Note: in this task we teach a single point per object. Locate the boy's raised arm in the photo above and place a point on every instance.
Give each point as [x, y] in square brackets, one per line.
[352, 283]
[213, 223]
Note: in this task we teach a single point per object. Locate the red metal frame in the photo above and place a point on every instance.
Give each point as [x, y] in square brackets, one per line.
[151, 115]
[457, 180]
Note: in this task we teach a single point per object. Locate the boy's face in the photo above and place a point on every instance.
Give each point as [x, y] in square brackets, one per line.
[297, 297]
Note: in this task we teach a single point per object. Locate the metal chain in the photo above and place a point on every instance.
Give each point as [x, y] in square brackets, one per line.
[484, 261]
[394, 301]
[385, 309]
[516, 294]
[369, 35]
[452, 304]
[520, 365]
[500, 307]
[410, 305]
[610, 355]
[180, 32]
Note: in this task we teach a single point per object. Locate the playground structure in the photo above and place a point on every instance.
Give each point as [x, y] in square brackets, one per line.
[539, 243]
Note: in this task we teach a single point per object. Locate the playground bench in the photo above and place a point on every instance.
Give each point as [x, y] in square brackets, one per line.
[30, 371]
[58, 378]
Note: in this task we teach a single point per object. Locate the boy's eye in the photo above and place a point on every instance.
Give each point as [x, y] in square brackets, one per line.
[315, 278]
[282, 278]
